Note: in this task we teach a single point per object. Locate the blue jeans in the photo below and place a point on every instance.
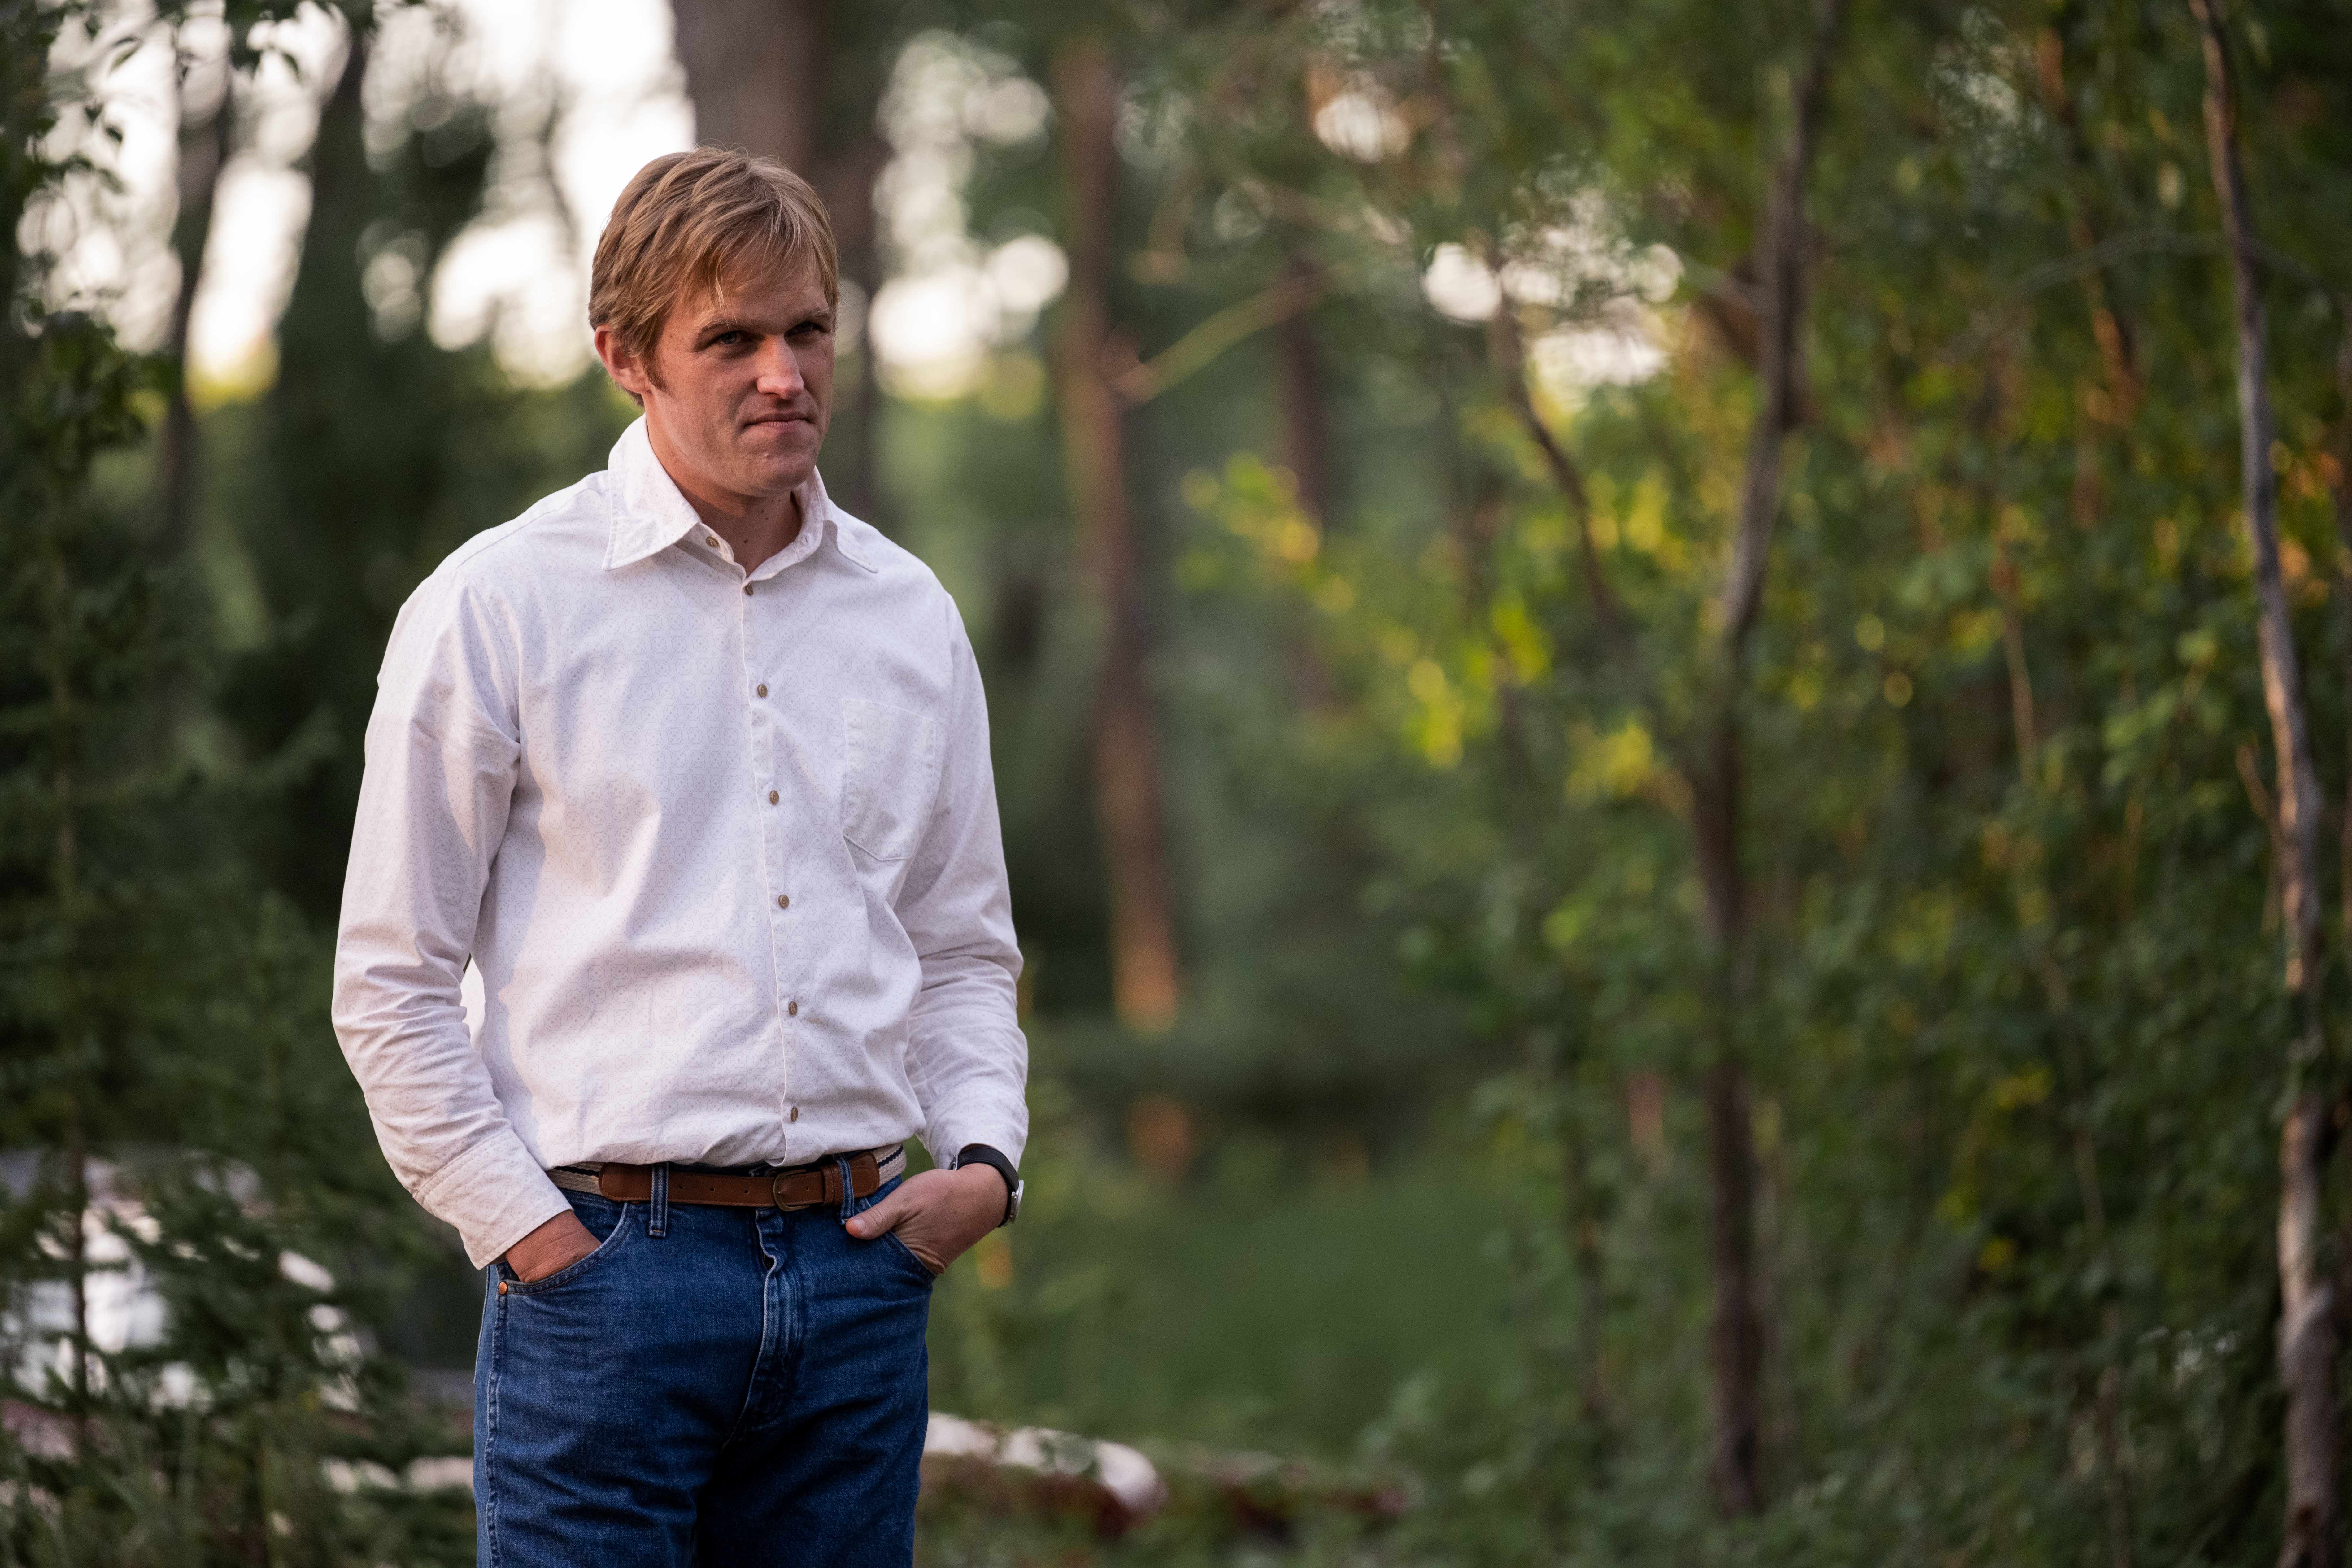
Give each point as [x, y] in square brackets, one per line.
[710, 1387]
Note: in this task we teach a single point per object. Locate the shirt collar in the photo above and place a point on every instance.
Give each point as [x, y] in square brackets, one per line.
[654, 514]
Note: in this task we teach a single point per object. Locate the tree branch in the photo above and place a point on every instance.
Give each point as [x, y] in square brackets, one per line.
[1511, 367]
[1292, 292]
[1780, 265]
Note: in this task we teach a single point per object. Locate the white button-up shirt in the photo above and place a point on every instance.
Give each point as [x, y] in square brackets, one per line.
[724, 849]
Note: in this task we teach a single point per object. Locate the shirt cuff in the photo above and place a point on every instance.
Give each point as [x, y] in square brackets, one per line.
[495, 1194]
[949, 1135]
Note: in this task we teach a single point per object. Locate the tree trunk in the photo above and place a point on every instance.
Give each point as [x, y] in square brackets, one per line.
[1736, 1342]
[66, 725]
[206, 140]
[847, 182]
[2339, 489]
[754, 69]
[2118, 345]
[1302, 398]
[2306, 1347]
[1128, 809]
[1586, 1238]
[766, 76]
[1305, 417]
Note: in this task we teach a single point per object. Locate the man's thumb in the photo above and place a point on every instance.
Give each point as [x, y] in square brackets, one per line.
[881, 1217]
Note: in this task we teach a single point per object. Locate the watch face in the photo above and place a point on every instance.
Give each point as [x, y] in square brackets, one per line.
[1013, 1209]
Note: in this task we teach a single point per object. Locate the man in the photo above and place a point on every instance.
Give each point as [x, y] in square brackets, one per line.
[692, 767]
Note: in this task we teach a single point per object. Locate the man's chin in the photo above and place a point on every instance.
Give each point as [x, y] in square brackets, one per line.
[783, 461]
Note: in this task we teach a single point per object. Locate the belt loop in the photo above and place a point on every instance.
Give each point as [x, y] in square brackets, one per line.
[848, 1187]
[657, 1214]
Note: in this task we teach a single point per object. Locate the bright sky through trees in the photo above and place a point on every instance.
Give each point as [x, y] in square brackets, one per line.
[587, 91]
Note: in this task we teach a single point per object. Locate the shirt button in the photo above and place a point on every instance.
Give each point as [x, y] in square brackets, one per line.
[792, 1008]
[747, 589]
[712, 540]
[773, 798]
[762, 691]
[795, 1116]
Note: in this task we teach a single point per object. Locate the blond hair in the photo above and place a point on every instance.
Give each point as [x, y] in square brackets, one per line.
[691, 222]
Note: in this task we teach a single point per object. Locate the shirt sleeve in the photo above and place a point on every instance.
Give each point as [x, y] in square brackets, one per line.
[442, 750]
[967, 1057]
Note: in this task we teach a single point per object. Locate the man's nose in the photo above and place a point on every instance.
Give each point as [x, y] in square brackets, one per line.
[780, 372]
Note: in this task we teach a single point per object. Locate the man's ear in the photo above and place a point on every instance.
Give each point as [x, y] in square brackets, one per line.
[627, 368]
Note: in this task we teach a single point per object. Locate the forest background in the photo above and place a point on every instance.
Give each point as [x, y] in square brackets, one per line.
[1670, 684]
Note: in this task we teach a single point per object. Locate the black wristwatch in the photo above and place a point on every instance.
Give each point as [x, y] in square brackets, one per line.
[981, 1154]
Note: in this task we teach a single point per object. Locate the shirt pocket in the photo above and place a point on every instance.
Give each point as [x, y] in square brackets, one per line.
[889, 777]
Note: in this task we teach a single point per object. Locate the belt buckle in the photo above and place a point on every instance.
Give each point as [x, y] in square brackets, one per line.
[776, 1191]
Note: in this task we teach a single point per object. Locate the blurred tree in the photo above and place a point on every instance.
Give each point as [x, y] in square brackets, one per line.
[377, 452]
[1304, 398]
[1787, 1026]
[2000, 737]
[799, 81]
[1128, 812]
[81, 637]
[2307, 1334]
[207, 135]
[757, 72]
[350, 503]
[1715, 769]
[160, 1143]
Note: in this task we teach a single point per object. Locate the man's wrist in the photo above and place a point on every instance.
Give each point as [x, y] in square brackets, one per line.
[994, 1189]
[555, 1244]
[987, 1155]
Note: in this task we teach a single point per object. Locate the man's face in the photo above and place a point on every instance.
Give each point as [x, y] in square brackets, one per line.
[740, 389]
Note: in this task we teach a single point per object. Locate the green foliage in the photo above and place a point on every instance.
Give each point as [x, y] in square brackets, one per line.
[373, 454]
[166, 1119]
[1417, 1183]
[2017, 1030]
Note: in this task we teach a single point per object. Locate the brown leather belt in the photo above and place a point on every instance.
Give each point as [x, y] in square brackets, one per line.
[801, 1187]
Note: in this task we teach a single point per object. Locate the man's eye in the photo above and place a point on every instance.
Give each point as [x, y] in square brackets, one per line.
[727, 340]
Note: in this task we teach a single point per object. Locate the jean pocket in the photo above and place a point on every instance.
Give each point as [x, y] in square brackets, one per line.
[906, 1255]
[623, 1228]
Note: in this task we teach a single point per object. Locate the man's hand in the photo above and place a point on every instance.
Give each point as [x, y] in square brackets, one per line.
[938, 1215]
[557, 1244]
